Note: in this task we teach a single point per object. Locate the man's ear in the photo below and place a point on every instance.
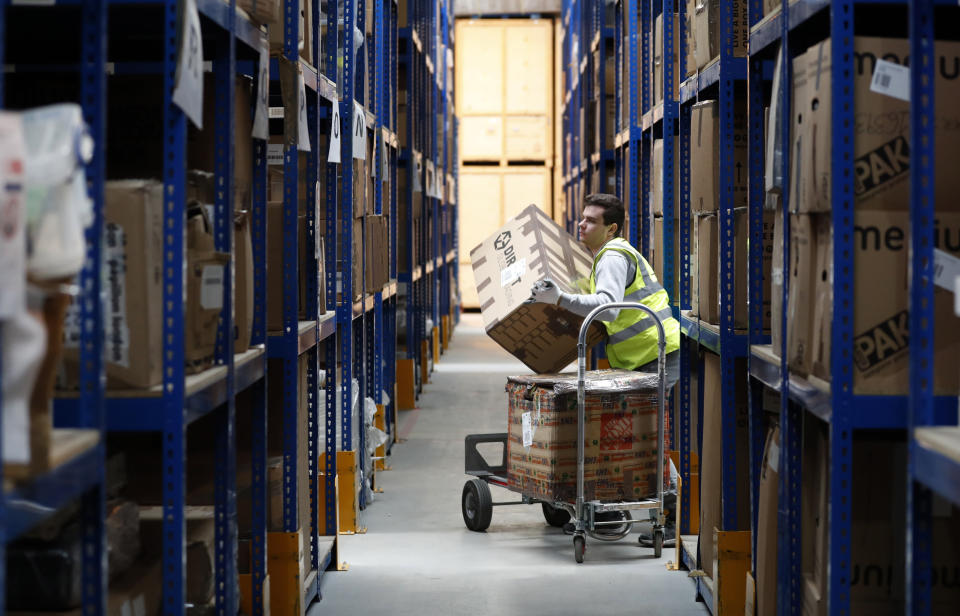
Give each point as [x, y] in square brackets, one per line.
[614, 229]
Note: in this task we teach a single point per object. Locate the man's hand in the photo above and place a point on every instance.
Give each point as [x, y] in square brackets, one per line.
[545, 291]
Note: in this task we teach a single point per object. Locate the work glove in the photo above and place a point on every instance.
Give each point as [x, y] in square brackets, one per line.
[545, 291]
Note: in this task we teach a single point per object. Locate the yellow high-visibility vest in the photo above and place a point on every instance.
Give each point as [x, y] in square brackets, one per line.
[632, 336]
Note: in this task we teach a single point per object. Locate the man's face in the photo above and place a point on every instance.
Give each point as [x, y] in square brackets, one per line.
[593, 233]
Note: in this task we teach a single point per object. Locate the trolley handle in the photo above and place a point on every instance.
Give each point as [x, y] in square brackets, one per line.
[581, 396]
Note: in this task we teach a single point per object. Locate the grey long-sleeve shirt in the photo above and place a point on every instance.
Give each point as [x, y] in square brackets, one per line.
[613, 272]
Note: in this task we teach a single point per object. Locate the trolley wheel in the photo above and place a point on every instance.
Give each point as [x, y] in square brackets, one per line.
[657, 542]
[579, 547]
[555, 516]
[476, 504]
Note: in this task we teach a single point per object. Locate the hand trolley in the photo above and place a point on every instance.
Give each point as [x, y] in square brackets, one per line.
[477, 504]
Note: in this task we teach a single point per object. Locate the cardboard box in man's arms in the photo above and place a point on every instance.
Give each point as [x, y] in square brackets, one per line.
[526, 249]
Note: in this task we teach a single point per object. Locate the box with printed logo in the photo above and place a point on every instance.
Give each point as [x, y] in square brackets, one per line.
[529, 248]
[881, 144]
[620, 454]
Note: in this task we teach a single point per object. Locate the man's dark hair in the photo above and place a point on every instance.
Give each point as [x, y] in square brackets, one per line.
[612, 209]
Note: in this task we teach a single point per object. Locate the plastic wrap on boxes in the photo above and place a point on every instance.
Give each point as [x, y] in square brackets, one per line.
[620, 460]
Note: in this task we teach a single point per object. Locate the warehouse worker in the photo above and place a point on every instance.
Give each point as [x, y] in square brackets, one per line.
[620, 273]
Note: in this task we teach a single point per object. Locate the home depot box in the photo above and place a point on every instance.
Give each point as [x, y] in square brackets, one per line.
[706, 26]
[526, 249]
[672, 60]
[881, 336]
[620, 455]
[705, 156]
[881, 146]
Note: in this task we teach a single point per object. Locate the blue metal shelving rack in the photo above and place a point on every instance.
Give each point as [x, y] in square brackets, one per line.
[930, 469]
[843, 411]
[32, 501]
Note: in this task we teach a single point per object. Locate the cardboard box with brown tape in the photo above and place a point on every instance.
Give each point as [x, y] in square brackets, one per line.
[526, 249]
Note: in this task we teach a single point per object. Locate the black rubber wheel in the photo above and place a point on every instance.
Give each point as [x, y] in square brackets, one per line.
[658, 542]
[476, 504]
[555, 516]
[579, 547]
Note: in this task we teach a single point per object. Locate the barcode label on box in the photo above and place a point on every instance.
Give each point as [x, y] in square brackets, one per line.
[526, 419]
[274, 153]
[891, 79]
[513, 273]
[211, 287]
[115, 308]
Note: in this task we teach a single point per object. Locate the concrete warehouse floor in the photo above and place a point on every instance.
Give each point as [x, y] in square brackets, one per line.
[417, 556]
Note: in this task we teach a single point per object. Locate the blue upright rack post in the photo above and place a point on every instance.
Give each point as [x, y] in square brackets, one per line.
[174, 428]
[919, 536]
[332, 281]
[225, 473]
[640, 209]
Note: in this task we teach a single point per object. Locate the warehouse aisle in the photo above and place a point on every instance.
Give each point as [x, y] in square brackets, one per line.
[418, 557]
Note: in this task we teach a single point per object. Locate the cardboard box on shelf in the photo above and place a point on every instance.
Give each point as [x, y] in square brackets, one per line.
[133, 310]
[200, 557]
[705, 156]
[706, 26]
[881, 147]
[621, 436]
[690, 37]
[803, 252]
[881, 340]
[877, 570]
[262, 11]
[673, 60]
[656, 179]
[708, 268]
[276, 270]
[526, 249]
[775, 283]
[766, 562]
[711, 475]
[658, 256]
[205, 280]
[822, 298]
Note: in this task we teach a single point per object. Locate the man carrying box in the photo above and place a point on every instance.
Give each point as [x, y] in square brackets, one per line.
[620, 273]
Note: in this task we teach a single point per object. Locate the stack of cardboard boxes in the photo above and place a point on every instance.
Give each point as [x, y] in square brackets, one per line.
[704, 207]
[881, 234]
[880, 252]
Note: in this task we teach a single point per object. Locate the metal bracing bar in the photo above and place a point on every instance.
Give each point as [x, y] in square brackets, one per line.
[669, 128]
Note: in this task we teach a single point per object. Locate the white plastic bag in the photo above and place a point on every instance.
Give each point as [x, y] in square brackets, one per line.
[57, 146]
[23, 346]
